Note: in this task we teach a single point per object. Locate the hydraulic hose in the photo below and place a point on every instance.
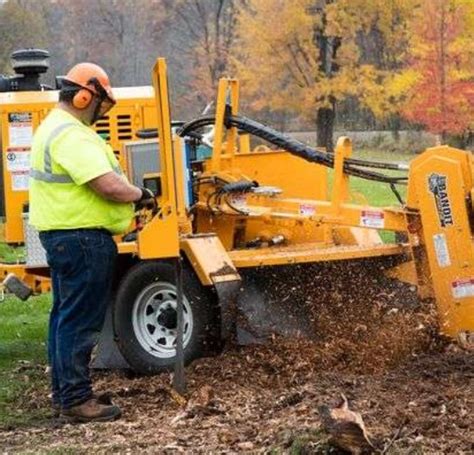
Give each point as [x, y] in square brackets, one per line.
[264, 132]
[378, 164]
[351, 166]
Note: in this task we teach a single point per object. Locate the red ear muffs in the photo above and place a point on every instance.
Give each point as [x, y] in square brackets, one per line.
[82, 99]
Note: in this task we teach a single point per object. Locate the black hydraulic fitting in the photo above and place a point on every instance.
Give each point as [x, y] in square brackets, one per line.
[242, 186]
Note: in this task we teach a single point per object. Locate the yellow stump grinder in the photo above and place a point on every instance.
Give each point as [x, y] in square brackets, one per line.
[260, 233]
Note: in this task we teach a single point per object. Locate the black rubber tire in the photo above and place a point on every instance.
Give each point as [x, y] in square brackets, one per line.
[203, 303]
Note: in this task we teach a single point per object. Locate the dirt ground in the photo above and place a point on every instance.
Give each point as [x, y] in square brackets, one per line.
[414, 391]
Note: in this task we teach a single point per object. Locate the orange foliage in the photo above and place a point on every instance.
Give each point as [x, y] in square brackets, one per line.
[442, 56]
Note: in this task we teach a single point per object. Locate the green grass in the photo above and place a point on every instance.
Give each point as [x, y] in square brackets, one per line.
[23, 328]
[377, 194]
[11, 254]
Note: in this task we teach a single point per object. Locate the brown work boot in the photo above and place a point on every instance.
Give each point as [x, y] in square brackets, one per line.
[102, 398]
[91, 411]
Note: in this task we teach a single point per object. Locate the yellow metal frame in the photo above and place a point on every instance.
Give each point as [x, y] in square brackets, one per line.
[336, 211]
[209, 259]
[444, 233]
[227, 95]
[310, 252]
[328, 220]
[160, 237]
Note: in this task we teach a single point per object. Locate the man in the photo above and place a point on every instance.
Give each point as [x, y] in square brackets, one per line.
[78, 200]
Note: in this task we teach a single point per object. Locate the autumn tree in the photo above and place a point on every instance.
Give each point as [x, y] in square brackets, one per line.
[442, 58]
[18, 28]
[305, 55]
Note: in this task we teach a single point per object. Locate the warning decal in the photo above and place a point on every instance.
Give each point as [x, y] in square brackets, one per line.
[441, 250]
[20, 129]
[307, 209]
[463, 287]
[371, 218]
[20, 180]
[18, 159]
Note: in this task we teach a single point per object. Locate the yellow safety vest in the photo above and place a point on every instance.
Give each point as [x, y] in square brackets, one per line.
[65, 156]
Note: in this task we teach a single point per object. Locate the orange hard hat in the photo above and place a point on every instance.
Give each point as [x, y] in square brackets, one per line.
[91, 77]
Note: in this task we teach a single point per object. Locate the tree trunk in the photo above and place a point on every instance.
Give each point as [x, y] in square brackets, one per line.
[327, 47]
[395, 124]
[444, 137]
[325, 128]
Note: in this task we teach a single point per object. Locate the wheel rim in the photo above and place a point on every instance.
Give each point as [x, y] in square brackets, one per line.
[154, 319]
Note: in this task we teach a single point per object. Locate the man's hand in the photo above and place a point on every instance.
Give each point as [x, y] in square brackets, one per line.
[147, 200]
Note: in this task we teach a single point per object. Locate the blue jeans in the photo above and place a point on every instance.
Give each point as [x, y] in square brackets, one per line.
[82, 267]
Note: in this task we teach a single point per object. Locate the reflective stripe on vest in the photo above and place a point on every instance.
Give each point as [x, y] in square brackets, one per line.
[47, 175]
[50, 178]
